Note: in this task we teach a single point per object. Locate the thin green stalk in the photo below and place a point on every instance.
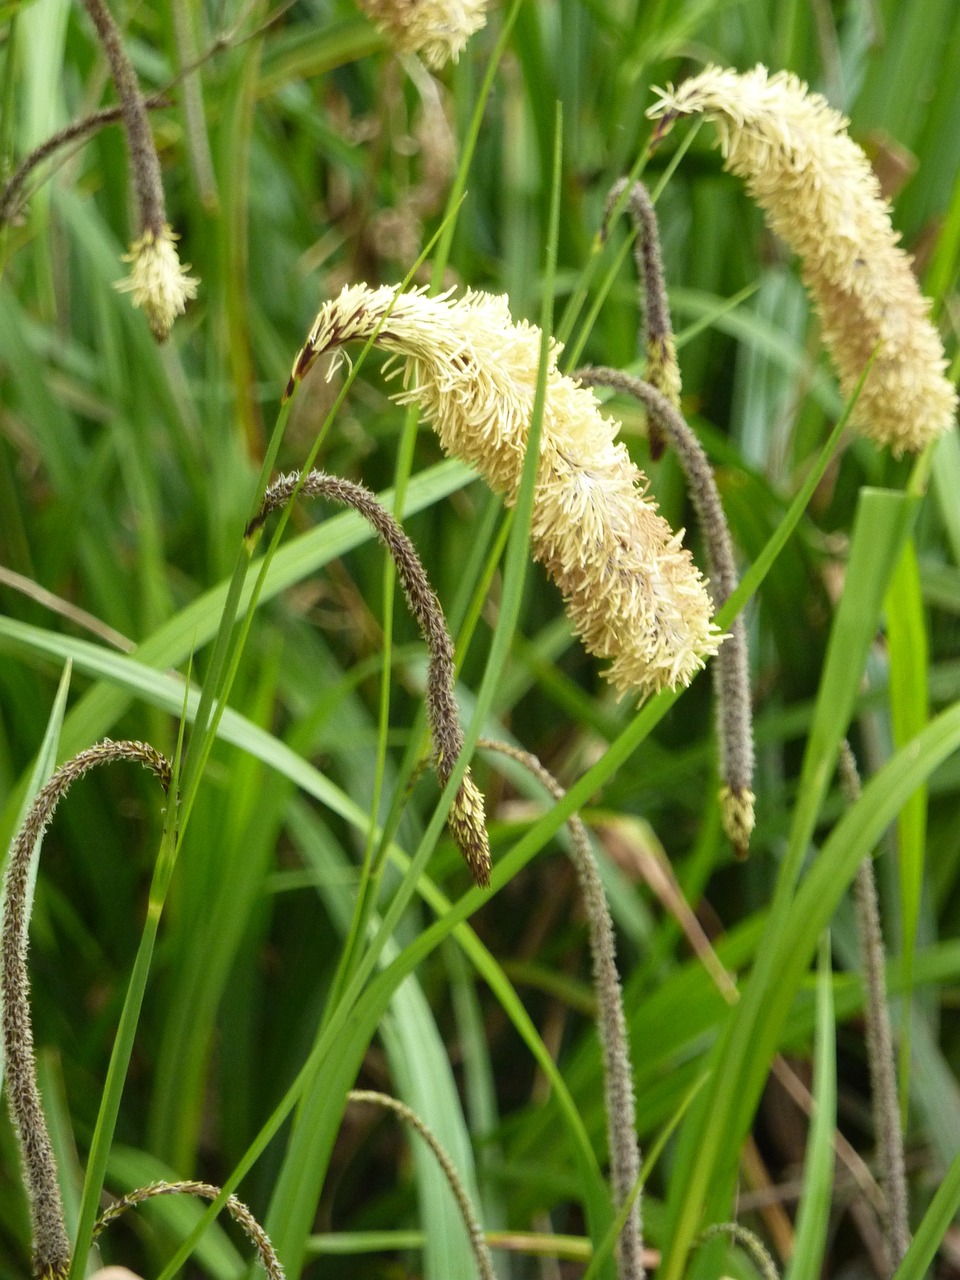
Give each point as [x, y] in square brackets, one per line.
[371, 867]
[514, 573]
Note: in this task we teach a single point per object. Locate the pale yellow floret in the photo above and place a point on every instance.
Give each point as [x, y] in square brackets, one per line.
[821, 196]
[663, 369]
[737, 816]
[632, 591]
[436, 29]
[158, 280]
[467, 821]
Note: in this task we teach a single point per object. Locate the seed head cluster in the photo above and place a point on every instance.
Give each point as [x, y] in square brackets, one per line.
[436, 29]
[632, 590]
[821, 196]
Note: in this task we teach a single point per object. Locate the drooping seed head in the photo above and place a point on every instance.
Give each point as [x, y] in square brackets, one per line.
[632, 591]
[158, 281]
[821, 196]
[436, 29]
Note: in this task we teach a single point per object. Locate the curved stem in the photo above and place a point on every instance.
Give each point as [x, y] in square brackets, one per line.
[466, 818]
[76, 131]
[206, 1191]
[51, 1246]
[478, 1240]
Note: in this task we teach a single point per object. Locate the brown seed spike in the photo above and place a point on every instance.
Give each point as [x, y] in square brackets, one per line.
[466, 820]
[51, 1244]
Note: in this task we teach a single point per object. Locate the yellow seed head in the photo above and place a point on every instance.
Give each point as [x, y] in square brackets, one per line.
[737, 817]
[158, 280]
[468, 827]
[436, 29]
[663, 370]
[632, 591]
[820, 195]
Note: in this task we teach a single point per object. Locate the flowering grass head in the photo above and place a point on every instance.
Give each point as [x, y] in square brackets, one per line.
[632, 590]
[436, 29]
[821, 196]
[158, 281]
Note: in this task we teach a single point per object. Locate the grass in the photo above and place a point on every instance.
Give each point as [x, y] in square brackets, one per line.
[310, 928]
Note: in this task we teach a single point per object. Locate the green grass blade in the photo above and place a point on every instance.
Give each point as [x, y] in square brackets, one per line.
[909, 710]
[816, 1197]
[933, 1228]
[712, 1136]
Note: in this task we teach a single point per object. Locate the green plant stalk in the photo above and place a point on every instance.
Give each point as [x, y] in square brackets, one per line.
[813, 1212]
[369, 886]
[372, 867]
[512, 595]
[909, 711]
[366, 893]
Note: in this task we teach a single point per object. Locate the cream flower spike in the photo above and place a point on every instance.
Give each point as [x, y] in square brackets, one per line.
[436, 29]
[632, 591]
[821, 196]
[158, 281]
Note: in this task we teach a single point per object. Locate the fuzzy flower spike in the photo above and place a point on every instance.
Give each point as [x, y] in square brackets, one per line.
[632, 591]
[436, 29]
[820, 195]
[158, 281]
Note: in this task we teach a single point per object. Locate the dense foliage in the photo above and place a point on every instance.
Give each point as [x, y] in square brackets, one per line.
[302, 153]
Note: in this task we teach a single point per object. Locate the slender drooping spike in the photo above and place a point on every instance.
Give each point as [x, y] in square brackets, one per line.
[880, 1053]
[618, 1093]
[206, 1191]
[663, 370]
[478, 1241]
[157, 280]
[821, 196]
[436, 29]
[11, 194]
[51, 1246]
[466, 818]
[732, 667]
[747, 1241]
[632, 591]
